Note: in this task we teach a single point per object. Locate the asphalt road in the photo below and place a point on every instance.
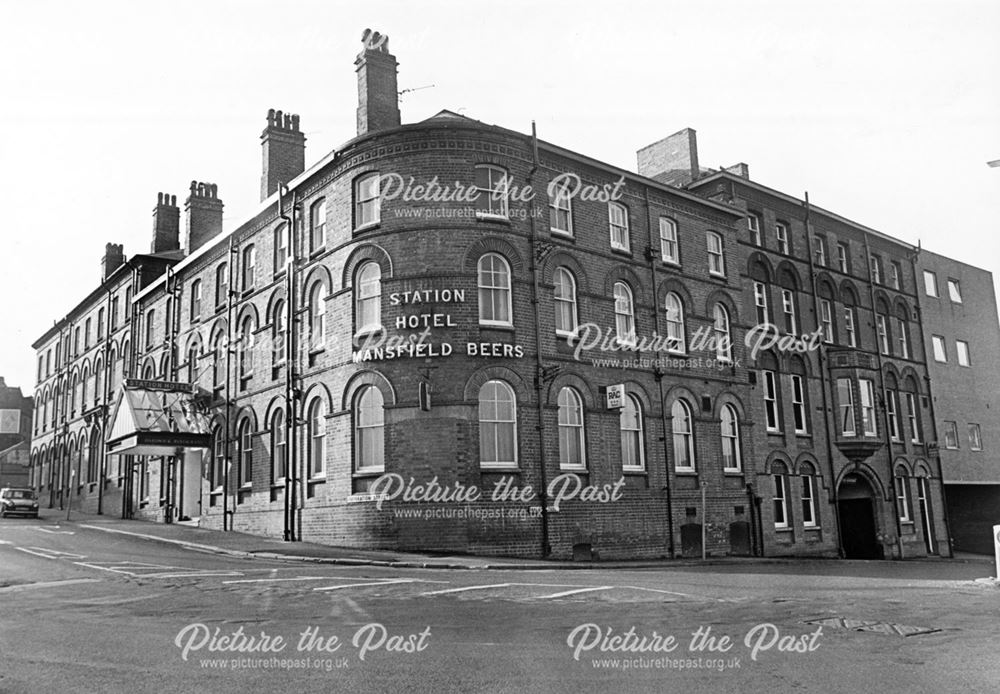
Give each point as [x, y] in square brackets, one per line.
[84, 610]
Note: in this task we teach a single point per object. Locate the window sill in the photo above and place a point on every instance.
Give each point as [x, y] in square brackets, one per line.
[686, 471]
[621, 251]
[487, 325]
[563, 234]
[499, 467]
[782, 529]
[319, 479]
[317, 252]
[368, 226]
[634, 471]
[670, 263]
[732, 471]
[717, 275]
[361, 474]
[488, 217]
[573, 468]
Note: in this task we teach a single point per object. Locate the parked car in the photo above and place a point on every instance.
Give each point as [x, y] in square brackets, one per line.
[18, 501]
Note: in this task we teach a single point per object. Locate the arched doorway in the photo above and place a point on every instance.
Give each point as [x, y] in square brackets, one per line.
[856, 506]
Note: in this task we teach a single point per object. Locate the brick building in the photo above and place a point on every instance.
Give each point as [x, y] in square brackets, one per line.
[453, 309]
[15, 436]
[960, 328]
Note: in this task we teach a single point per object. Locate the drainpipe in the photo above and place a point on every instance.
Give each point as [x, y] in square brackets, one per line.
[291, 395]
[658, 377]
[539, 366]
[930, 402]
[105, 395]
[226, 524]
[881, 398]
[824, 381]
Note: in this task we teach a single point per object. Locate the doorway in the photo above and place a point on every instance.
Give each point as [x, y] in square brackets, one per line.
[858, 531]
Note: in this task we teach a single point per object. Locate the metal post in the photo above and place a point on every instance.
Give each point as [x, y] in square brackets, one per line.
[704, 520]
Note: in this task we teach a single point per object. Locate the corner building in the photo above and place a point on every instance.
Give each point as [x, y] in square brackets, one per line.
[404, 319]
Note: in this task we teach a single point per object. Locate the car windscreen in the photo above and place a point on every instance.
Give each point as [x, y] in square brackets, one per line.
[18, 494]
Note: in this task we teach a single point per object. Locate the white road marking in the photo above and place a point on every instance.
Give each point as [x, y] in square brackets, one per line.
[50, 584]
[574, 592]
[49, 553]
[54, 530]
[467, 588]
[667, 592]
[366, 585]
[197, 573]
[5, 542]
[275, 580]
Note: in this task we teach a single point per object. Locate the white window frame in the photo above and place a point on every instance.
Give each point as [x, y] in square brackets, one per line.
[760, 302]
[892, 414]
[279, 446]
[317, 438]
[494, 290]
[682, 438]
[951, 434]
[820, 251]
[846, 409]
[360, 425]
[716, 254]
[367, 202]
[624, 314]
[809, 519]
[771, 408]
[781, 235]
[788, 310]
[753, 226]
[317, 225]
[618, 227]
[903, 497]
[677, 341]
[368, 298]
[954, 291]
[799, 415]
[912, 416]
[975, 437]
[632, 432]
[940, 349]
[720, 328]
[496, 207]
[876, 267]
[843, 258]
[962, 353]
[280, 248]
[564, 297]
[903, 338]
[500, 426]
[560, 205]
[849, 327]
[866, 389]
[731, 439]
[826, 320]
[781, 501]
[195, 300]
[882, 329]
[930, 284]
[249, 275]
[894, 274]
[571, 424]
[669, 245]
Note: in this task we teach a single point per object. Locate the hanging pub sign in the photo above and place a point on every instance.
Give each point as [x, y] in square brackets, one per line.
[616, 396]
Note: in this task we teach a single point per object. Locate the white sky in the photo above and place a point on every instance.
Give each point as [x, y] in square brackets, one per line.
[886, 112]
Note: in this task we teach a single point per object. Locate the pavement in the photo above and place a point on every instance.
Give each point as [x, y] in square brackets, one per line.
[247, 546]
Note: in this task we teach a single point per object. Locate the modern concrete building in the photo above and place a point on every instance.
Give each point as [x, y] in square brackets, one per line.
[962, 336]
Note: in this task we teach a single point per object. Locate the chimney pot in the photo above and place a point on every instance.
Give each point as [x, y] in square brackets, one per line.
[378, 95]
[204, 214]
[283, 151]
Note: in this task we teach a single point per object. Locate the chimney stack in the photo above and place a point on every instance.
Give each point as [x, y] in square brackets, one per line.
[284, 148]
[672, 160]
[166, 224]
[204, 214]
[114, 258]
[378, 96]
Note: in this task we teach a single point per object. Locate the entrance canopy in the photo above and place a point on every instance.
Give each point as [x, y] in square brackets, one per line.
[157, 418]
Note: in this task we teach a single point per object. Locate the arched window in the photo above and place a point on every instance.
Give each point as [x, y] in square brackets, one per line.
[247, 340]
[494, 290]
[279, 322]
[497, 425]
[683, 436]
[716, 261]
[244, 447]
[317, 438]
[317, 317]
[807, 476]
[219, 362]
[902, 483]
[731, 459]
[369, 430]
[249, 267]
[571, 430]
[624, 314]
[565, 298]
[94, 455]
[192, 362]
[98, 381]
[84, 383]
[782, 517]
[279, 452]
[675, 324]
[216, 475]
[368, 298]
[630, 427]
[902, 332]
[723, 341]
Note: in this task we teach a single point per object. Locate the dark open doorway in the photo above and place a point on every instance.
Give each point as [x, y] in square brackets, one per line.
[856, 506]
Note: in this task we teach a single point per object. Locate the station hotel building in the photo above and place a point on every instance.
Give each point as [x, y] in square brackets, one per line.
[355, 337]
